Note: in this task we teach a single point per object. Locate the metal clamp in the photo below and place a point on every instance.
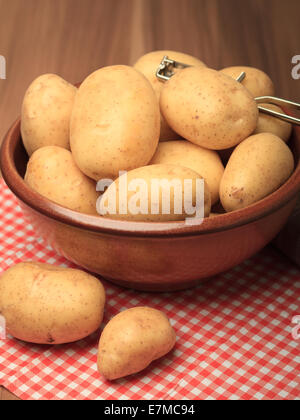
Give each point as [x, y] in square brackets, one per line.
[166, 67]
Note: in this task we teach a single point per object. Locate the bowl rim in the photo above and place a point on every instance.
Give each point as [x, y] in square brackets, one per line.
[97, 224]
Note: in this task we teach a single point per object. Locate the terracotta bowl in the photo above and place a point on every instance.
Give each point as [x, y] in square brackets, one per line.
[150, 256]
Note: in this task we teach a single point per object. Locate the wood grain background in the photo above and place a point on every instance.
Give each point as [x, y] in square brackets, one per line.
[75, 37]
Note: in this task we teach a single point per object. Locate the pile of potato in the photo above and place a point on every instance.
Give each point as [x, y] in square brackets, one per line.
[123, 118]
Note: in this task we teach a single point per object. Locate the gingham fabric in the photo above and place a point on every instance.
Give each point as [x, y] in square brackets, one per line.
[234, 334]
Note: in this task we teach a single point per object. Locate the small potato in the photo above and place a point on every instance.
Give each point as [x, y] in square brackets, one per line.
[256, 168]
[52, 172]
[148, 65]
[256, 81]
[156, 193]
[115, 122]
[208, 108]
[44, 304]
[132, 340]
[268, 124]
[206, 163]
[46, 113]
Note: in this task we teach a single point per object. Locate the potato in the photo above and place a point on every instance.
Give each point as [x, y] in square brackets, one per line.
[52, 172]
[45, 304]
[46, 113]
[208, 108]
[256, 81]
[256, 168]
[115, 122]
[148, 65]
[156, 193]
[206, 163]
[132, 340]
[268, 124]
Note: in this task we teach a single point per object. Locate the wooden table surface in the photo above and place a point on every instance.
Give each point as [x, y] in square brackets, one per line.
[75, 37]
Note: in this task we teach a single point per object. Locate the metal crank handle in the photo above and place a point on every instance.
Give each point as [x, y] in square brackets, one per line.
[280, 102]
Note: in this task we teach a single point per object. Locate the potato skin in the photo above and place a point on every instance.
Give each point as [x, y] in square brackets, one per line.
[44, 304]
[206, 163]
[208, 108]
[132, 340]
[148, 65]
[159, 172]
[46, 113]
[268, 124]
[52, 172]
[256, 168]
[256, 81]
[115, 122]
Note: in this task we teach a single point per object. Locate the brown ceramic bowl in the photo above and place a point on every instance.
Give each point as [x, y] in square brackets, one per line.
[150, 256]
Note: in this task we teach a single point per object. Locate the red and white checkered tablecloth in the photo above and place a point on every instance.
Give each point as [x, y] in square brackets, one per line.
[234, 334]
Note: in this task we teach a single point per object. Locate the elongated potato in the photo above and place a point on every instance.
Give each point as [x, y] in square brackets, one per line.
[45, 304]
[208, 108]
[132, 340]
[46, 113]
[256, 168]
[256, 81]
[157, 193]
[268, 124]
[148, 65]
[52, 172]
[115, 122]
[206, 163]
